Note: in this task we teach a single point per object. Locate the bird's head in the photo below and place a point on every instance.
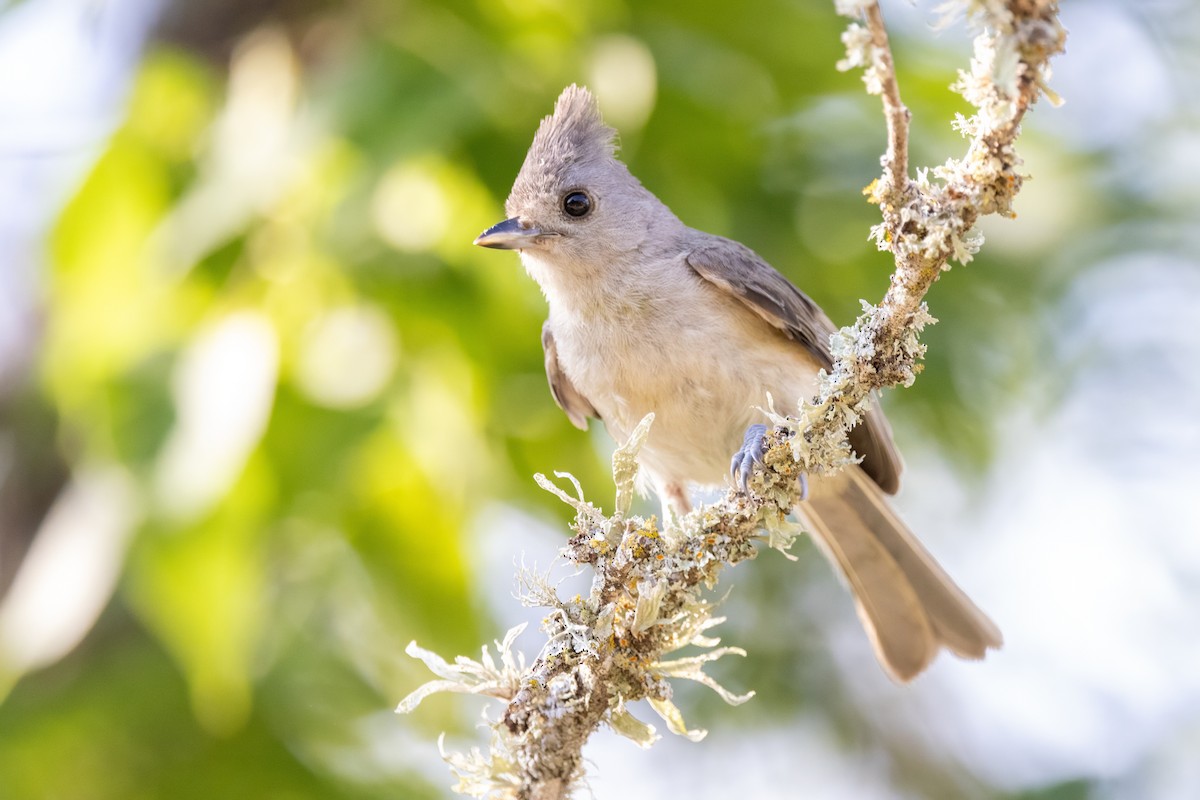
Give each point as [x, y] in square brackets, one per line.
[573, 202]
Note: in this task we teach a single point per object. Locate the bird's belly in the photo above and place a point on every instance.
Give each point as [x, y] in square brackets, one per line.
[704, 390]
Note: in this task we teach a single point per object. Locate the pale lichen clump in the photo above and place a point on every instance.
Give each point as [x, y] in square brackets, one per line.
[816, 437]
[618, 644]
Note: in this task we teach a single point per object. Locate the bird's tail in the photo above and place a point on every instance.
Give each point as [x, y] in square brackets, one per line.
[908, 604]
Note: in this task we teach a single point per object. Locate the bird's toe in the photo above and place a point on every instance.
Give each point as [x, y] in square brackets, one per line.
[748, 455]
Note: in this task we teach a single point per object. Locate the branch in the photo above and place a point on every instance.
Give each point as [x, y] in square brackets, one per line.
[895, 161]
[613, 647]
[926, 224]
[648, 599]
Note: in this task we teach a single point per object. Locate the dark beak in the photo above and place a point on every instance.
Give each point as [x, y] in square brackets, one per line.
[508, 235]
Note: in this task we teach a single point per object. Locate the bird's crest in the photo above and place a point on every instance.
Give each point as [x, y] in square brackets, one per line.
[573, 136]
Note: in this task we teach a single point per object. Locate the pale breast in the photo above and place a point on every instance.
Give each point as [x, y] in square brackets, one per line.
[693, 355]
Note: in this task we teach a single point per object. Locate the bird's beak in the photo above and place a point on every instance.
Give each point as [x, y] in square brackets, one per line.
[508, 235]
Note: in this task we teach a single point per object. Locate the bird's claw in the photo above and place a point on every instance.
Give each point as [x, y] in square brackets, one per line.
[750, 454]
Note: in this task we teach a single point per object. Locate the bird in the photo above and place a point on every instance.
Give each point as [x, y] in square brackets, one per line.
[646, 314]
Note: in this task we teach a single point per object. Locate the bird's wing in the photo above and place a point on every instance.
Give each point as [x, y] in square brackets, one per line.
[576, 406]
[738, 270]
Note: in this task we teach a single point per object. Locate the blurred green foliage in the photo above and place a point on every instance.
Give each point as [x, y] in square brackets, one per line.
[345, 159]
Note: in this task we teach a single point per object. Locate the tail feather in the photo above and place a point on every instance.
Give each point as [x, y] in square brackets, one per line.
[908, 604]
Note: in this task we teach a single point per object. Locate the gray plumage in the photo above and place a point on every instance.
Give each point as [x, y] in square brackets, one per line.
[647, 314]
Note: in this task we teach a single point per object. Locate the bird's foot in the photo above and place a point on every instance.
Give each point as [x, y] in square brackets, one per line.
[750, 454]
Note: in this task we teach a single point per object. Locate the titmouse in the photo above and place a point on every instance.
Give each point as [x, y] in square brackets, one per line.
[647, 314]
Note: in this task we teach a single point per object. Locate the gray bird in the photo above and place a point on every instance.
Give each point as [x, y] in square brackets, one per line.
[647, 314]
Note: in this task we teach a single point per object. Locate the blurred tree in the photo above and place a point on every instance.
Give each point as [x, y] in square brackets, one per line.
[263, 309]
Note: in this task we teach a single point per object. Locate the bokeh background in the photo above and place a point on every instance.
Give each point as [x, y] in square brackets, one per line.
[266, 415]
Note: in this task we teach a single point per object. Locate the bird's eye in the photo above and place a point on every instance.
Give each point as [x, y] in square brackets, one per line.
[577, 204]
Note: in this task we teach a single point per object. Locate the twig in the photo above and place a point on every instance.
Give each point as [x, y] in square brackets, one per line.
[927, 228]
[895, 162]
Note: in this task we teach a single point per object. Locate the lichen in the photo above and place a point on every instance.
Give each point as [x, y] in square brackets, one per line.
[613, 646]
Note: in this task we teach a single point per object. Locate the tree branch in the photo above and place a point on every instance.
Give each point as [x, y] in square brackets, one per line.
[895, 161]
[648, 598]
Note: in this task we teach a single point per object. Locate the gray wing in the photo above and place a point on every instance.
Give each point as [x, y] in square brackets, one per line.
[738, 270]
[576, 406]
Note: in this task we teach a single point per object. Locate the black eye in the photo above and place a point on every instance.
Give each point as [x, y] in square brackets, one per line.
[577, 204]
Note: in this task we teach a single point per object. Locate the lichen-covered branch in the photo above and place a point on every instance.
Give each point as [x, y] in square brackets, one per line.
[928, 220]
[617, 645]
[868, 48]
[649, 597]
